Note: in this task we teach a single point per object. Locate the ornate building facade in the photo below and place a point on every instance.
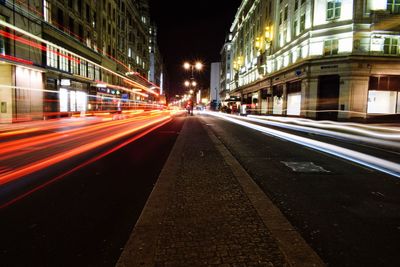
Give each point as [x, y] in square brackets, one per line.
[328, 59]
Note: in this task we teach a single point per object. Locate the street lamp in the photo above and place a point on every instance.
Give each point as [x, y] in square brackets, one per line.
[196, 66]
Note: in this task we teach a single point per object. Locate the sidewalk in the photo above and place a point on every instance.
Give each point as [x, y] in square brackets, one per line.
[206, 211]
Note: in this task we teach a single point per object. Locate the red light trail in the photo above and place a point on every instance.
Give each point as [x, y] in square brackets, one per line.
[28, 155]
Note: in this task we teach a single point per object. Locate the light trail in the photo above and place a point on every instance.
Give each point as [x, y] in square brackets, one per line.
[363, 159]
[49, 182]
[10, 149]
[29, 155]
[373, 138]
[392, 133]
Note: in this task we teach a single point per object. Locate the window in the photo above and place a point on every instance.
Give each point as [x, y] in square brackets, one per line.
[2, 40]
[296, 5]
[286, 12]
[391, 46]
[51, 57]
[83, 68]
[47, 11]
[302, 22]
[75, 65]
[280, 18]
[60, 18]
[296, 29]
[90, 71]
[393, 6]
[331, 47]
[64, 61]
[333, 9]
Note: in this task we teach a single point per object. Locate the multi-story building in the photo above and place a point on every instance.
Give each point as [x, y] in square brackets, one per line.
[215, 82]
[21, 66]
[324, 59]
[156, 75]
[225, 72]
[89, 55]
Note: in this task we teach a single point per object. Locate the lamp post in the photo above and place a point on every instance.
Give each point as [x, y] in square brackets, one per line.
[191, 84]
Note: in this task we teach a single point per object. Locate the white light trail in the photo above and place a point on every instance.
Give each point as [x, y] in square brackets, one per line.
[372, 162]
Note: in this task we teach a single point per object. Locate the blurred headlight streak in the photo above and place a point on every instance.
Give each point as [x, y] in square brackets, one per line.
[363, 159]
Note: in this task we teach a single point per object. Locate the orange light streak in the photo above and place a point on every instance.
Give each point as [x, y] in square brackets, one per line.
[20, 197]
[46, 162]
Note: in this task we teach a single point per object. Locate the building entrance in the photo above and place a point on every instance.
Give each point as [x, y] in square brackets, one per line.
[328, 97]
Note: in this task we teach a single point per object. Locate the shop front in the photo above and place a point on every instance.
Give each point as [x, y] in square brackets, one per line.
[384, 95]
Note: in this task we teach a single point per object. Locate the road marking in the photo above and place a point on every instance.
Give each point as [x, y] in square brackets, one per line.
[306, 167]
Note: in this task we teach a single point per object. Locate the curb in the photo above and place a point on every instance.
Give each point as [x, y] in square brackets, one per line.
[290, 242]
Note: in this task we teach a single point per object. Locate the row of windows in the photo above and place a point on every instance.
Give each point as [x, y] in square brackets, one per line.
[63, 61]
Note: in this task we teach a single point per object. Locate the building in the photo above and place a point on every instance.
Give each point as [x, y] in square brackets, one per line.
[81, 56]
[156, 74]
[225, 72]
[21, 65]
[321, 59]
[215, 82]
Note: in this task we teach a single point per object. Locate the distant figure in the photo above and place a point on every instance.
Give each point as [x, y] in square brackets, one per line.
[189, 108]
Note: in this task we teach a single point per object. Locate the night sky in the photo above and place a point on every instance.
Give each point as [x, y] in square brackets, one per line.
[190, 31]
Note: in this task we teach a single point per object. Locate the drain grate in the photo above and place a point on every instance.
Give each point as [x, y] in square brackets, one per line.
[307, 167]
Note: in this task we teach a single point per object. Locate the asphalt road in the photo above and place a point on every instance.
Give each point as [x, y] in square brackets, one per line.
[85, 218]
[349, 214]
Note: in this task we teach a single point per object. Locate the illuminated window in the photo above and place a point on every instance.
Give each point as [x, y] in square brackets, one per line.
[47, 11]
[74, 65]
[2, 40]
[333, 9]
[64, 61]
[393, 6]
[83, 68]
[391, 46]
[51, 57]
[330, 47]
[90, 71]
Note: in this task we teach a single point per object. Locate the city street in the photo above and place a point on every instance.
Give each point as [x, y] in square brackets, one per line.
[83, 217]
[347, 213]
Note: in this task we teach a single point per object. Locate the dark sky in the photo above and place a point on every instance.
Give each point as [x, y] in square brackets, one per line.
[190, 31]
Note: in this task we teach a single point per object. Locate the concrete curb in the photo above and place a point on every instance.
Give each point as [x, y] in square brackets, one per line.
[141, 246]
[290, 242]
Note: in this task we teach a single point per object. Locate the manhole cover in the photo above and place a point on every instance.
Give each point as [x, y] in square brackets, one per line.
[304, 167]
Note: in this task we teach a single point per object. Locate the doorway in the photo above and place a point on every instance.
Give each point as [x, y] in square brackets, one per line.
[328, 97]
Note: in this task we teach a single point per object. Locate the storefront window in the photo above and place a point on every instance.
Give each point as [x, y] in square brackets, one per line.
[81, 101]
[63, 95]
[294, 104]
[382, 102]
[278, 105]
[72, 101]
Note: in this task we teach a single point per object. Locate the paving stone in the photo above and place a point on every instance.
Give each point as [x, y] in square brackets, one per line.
[209, 220]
